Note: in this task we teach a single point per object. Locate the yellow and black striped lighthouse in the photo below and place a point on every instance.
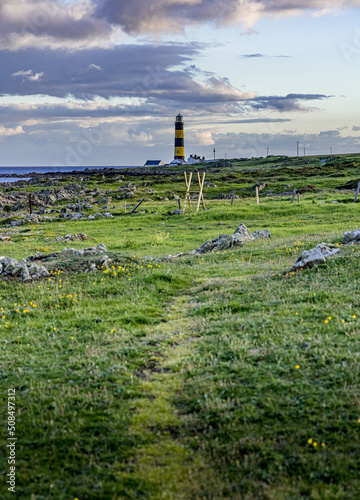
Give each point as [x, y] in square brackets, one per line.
[179, 138]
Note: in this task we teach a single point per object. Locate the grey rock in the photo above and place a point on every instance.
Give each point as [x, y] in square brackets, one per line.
[314, 256]
[308, 259]
[205, 247]
[101, 247]
[24, 273]
[7, 260]
[225, 241]
[261, 235]
[33, 269]
[243, 233]
[10, 268]
[222, 242]
[43, 272]
[327, 250]
[351, 237]
[107, 214]
[177, 212]
[32, 218]
[16, 269]
[91, 217]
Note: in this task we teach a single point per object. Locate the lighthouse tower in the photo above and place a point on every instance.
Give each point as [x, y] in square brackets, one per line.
[179, 138]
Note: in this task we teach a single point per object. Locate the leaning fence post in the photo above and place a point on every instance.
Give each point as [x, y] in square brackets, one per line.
[257, 195]
[293, 196]
[133, 210]
[357, 193]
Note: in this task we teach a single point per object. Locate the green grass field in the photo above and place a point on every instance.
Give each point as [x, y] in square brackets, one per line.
[204, 377]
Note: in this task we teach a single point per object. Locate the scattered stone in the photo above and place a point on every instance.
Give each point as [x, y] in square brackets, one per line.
[315, 256]
[101, 248]
[177, 212]
[351, 237]
[74, 237]
[76, 216]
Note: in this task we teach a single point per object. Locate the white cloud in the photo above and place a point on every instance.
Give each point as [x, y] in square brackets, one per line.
[7, 132]
[29, 75]
[201, 138]
[95, 66]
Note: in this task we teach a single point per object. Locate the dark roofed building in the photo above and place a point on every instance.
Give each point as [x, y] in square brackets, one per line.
[154, 163]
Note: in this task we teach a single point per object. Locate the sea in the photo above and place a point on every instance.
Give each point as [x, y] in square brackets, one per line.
[43, 170]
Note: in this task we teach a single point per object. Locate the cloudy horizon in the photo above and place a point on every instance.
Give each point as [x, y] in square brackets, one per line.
[99, 82]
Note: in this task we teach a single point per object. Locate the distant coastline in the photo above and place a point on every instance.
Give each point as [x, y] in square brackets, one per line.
[13, 174]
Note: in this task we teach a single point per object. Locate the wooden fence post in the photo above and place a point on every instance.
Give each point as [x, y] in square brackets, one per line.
[232, 197]
[257, 195]
[133, 210]
[293, 196]
[30, 204]
[201, 196]
[357, 193]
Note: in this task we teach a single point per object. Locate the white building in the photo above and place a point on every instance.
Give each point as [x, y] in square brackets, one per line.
[195, 159]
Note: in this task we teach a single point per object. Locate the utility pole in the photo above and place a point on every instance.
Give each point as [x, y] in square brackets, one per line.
[297, 148]
[331, 150]
[267, 151]
[304, 151]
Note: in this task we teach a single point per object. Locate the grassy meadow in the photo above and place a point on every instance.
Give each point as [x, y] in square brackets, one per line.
[202, 377]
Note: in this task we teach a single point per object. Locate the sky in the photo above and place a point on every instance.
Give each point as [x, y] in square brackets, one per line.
[99, 82]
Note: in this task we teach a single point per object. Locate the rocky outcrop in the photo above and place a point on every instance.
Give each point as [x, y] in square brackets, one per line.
[317, 255]
[351, 237]
[11, 268]
[224, 241]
